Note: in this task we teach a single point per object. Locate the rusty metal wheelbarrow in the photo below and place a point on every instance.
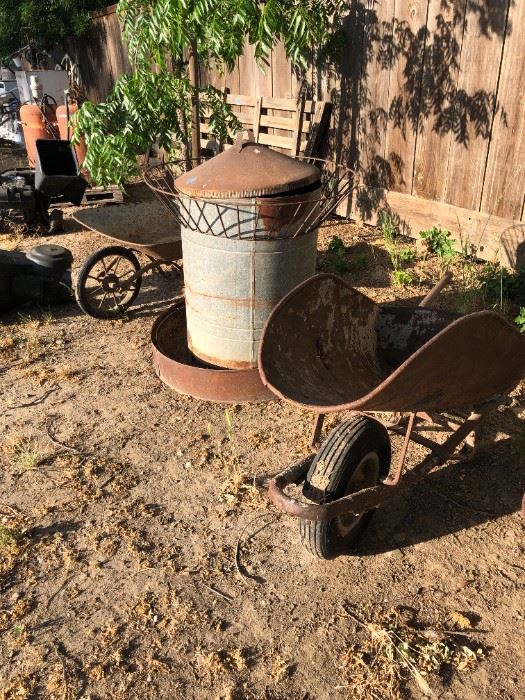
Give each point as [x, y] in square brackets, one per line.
[326, 347]
[110, 279]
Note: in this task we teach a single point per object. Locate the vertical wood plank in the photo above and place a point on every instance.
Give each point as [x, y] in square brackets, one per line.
[446, 21]
[282, 84]
[409, 35]
[504, 186]
[296, 135]
[473, 116]
[375, 79]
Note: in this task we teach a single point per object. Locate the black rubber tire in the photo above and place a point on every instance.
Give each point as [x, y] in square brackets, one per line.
[330, 475]
[81, 292]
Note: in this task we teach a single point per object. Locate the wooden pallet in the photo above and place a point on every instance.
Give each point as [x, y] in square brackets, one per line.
[301, 123]
[92, 195]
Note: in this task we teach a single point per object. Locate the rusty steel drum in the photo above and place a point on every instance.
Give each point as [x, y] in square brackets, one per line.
[249, 235]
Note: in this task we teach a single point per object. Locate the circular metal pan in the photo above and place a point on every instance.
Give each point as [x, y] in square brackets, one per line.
[180, 370]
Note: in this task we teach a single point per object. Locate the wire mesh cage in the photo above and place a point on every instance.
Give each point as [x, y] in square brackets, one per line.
[255, 218]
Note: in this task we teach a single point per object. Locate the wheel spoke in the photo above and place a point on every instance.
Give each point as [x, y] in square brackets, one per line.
[94, 290]
[102, 300]
[112, 263]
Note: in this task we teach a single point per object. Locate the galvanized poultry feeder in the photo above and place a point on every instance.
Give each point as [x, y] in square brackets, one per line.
[249, 223]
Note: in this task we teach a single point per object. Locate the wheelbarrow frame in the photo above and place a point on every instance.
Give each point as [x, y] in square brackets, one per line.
[364, 500]
[164, 252]
[367, 499]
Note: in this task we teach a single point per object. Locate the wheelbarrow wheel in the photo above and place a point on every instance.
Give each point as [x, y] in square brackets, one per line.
[355, 456]
[108, 282]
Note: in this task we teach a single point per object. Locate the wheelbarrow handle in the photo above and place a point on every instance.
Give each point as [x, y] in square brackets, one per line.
[437, 289]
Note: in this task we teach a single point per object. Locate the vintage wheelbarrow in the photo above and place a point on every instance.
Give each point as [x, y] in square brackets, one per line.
[326, 347]
[109, 280]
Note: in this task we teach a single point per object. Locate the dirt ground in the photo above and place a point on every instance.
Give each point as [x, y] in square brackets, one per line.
[140, 557]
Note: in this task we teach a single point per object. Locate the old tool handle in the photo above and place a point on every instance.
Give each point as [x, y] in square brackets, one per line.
[437, 289]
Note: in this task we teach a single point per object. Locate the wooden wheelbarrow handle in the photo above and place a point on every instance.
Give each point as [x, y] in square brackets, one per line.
[437, 289]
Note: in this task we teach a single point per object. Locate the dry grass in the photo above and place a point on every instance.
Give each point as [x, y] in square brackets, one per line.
[396, 649]
[49, 374]
[23, 341]
[23, 452]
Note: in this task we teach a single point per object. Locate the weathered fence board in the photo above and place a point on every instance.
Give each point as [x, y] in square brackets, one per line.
[503, 187]
[446, 23]
[474, 108]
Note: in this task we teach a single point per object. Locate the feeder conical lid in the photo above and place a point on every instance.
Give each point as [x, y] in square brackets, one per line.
[247, 169]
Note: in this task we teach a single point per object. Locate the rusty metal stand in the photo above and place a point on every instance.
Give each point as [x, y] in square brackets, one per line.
[315, 435]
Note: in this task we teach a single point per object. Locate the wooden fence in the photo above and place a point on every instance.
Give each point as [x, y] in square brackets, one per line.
[427, 104]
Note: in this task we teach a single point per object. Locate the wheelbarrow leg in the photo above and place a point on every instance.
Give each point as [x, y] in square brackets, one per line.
[395, 478]
[315, 437]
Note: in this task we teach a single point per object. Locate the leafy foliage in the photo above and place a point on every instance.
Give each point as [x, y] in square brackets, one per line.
[141, 109]
[45, 22]
[439, 242]
[520, 319]
[155, 101]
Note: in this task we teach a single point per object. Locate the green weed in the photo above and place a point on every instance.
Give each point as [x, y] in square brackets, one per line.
[336, 248]
[407, 255]
[7, 536]
[439, 242]
[520, 319]
[403, 278]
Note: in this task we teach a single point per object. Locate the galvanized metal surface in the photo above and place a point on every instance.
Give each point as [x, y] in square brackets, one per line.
[179, 369]
[321, 350]
[231, 286]
[251, 171]
[146, 227]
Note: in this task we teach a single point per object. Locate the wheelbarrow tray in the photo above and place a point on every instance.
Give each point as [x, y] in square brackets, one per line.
[146, 227]
[326, 347]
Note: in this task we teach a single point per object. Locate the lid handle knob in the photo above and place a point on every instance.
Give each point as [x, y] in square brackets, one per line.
[241, 142]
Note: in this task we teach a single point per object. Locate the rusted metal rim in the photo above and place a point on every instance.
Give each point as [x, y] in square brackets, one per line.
[276, 198]
[176, 366]
[155, 178]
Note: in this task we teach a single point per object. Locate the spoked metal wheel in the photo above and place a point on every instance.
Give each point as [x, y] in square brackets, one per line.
[108, 282]
[356, 455]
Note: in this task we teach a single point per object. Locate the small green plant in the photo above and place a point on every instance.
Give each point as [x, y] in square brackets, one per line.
[24, 453]
[520, 319]
[439, 242]
[403, 278]
[336, 248]
[399, 256]
[7, 536]
[389, 227]
[360, 262]
[407, 255]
